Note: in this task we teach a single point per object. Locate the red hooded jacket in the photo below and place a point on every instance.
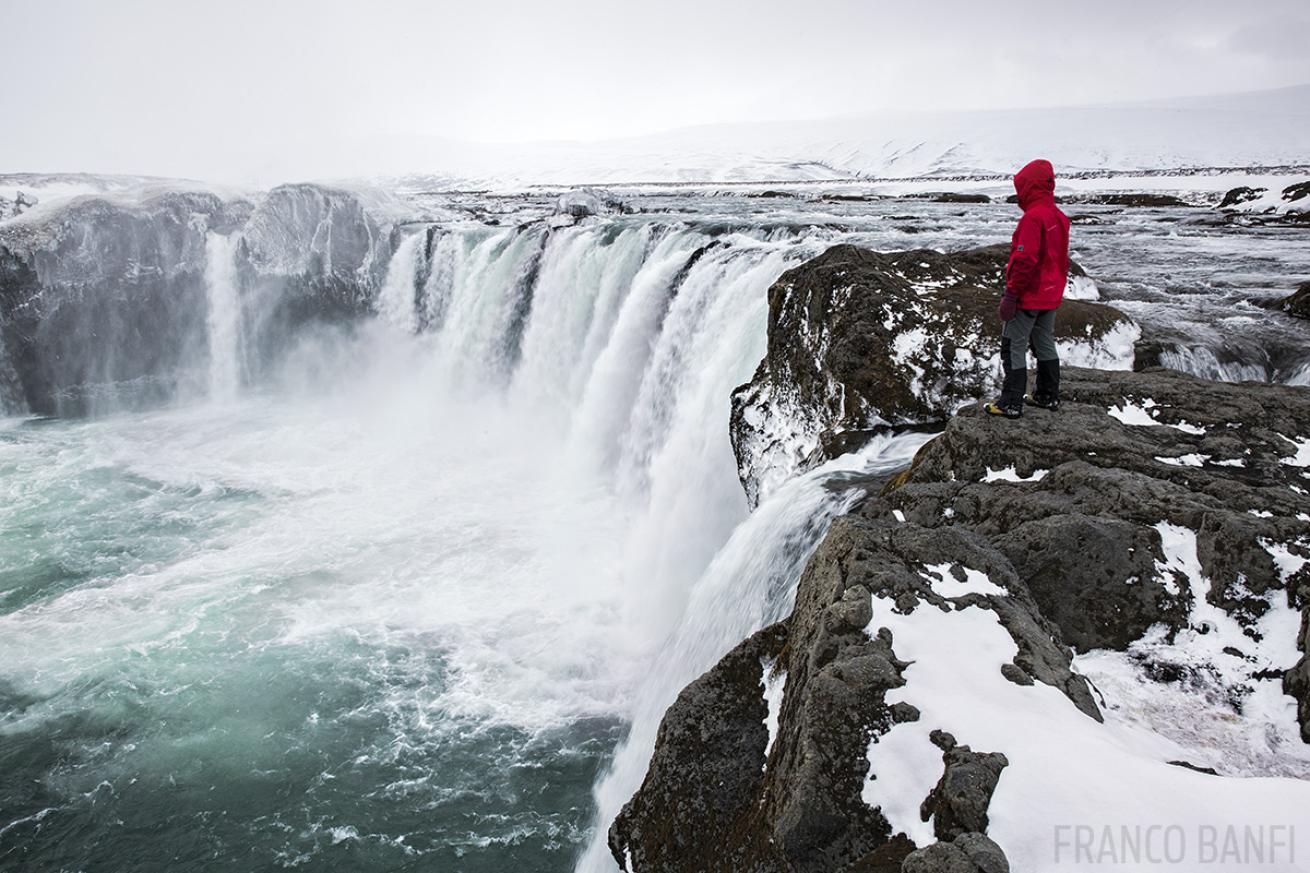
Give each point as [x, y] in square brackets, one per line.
[1039, 250]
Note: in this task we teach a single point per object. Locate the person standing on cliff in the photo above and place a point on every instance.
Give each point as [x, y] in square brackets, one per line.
[1034, 289]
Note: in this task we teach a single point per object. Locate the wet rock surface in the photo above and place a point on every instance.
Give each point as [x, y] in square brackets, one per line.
[861, 340]
[1297, 303]
[1069, 518]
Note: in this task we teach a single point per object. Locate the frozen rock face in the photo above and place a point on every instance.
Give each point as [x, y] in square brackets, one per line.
[933, 716]
[861, 340]
[308, 254]
[319, 241]
[106, 296]
[104, 302]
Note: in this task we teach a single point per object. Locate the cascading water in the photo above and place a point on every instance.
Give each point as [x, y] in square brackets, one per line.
[750, 583]
[396, 300]
[224, 319]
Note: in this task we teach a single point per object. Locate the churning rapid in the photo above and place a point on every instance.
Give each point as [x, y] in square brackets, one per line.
[409, 591]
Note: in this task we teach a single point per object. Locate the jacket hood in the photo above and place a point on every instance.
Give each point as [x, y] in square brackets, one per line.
[1034, 183]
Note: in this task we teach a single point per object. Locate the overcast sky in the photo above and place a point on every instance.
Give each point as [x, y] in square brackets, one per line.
[218, 89]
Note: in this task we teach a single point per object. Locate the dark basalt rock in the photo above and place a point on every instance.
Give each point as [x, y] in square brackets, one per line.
[860, 340]
[1296, 681]
[1107, 485]
[1143, 200]
[967, 853]
[1076, 549]
[958, 803]
[1239, 206]
[1296, 192]
[806, 811]
[953, 197]
[1240, 196]
[699, 805]
[1135, 200]
[1297, 303]
[1076, 566]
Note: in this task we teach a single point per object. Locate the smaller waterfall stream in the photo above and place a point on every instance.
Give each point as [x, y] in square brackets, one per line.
[224, 318]
[396, 299]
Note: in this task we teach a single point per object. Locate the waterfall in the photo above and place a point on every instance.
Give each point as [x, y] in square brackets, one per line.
[750, 584]
[224, 319]
[1201, 361]
[396, 300]
[628, 338]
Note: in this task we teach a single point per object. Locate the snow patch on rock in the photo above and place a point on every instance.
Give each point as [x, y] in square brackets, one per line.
[775, 682]
[1193, 460]
[944, 583]
[1046, 785]
[1009, 474]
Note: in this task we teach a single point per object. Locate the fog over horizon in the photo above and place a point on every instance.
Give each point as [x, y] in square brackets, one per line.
[255, 92]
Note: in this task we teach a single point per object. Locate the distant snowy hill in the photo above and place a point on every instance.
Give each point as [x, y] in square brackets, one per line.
[1267, 128]
[1258, 129]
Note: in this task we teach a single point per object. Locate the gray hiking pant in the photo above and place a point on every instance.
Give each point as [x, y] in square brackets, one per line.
[1035, 327]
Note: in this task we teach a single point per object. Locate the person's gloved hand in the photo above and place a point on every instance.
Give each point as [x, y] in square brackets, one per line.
[1009, 306]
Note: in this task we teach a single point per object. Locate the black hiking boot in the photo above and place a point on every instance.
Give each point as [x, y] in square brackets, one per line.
[1047, 393]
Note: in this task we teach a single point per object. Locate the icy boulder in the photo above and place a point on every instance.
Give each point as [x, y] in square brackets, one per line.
[861, 341]
[584, 202]
[933, 714]
[1292, 204]
[17, 205]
